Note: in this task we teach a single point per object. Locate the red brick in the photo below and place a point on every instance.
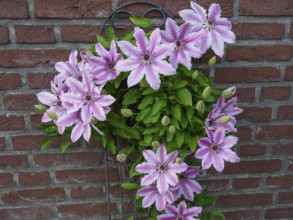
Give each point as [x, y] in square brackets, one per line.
[291, 30]
[30, 213]
[215, 185]
[4, 34]
[85, 192]
[72, 8]
[241, 214]
[285, 112]
[171, 8]
[245, 94]
[2, 143]
[283, 149]
[85, 175]
[39, 80]
[259, 53]
[13, 161]
[256, 113]
[28, 196]
[275, 92]
[254, 166]
[32, 58]
[19, 101]
[226, 6]
[279, 213]
[14, 9]
[27, 142]
[35, 120]
[249, 150]
[290, 167]
[34, 34]
[246, 183]
[280, 181]
[289, 73]
[11, 123]
[9, 81]
[6, 179]
[242, 200]
[285, 197]
[84, 209]
[266, 7]
[33, 178]
[246, 74]
[244, 133]
[79, 33]
[275, 132]
[115, 192]
[66, 159]
[259, 31]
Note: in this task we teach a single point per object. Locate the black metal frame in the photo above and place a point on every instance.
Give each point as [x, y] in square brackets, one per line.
[111, 18]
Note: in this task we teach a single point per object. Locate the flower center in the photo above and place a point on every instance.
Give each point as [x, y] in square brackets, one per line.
[162, 167]
[88, 98]
[79, 78]
[181, 176]
[111, 66]
[179, 217]
[59, 103]
[146, 57]
[214, 148]
[208, 25]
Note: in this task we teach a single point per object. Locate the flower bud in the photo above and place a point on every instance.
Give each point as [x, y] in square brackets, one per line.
[228, 93]
[121, 158]
[52, 115]
[225, 119]
[41, 108]
[195, 74]
[156, 145]
[94, 121]
[143, 83]
[178, 160]
[212, 61]
[172, 129]
[206, 92]
[165, 121]
[126, 112]
[200, 107]
[103, 92]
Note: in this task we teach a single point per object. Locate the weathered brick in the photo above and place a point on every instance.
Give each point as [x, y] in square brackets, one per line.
[275, 132]
[79, 33]
[275, 93]
[226, 6]
[32, 58]
[28, 213]
[285, 112]
[249, 150]
[6, 179]
[279, 213]
[2, 143]
[4, 34]
[35, 120]
[11, 123]
[256, 113]
[19, 101]
[27, 142]
[259, 31]
[28, 196]
[289, 73]
[266, 7]
[246, 183]
[259, 53]
[245, 94]
[39, 80]
[85, 192]
[285, 197]
[13, 161]
[34, 34]
[9, 81]
[72, 8]
[291, 30]
[215, 185]
[14, 9]
[282, 149]
[33, 178]
[246, 74]
[244, 133]
[115, 192]
[241, 214]
[280, 181]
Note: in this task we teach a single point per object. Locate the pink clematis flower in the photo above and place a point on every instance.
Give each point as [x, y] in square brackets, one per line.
[104, 66]
[181, 212]
[186, 41]
[187, 184]
[146, 59]
[151, 195]
[228, 107]
[160, 167]
[215, 148]
[216, 29]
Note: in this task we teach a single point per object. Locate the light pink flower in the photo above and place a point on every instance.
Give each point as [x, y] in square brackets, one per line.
[146, 59]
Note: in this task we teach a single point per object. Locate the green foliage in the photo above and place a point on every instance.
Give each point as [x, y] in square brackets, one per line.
[141, 22]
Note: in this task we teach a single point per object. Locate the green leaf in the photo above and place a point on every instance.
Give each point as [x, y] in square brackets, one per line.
[148, 91]
[116, 123]
[146, 101]
[179, 138]
[131, 218]
[131, 97]
[110, 33]
[148, 138]
[217, 214]
[141, 22]
[185, 96]
[193, 143]
[151, 130]
[189, 112]
[106, 43]
[204, 217]
[132, 133]
[140, 116]
[184, 121]
[180, 84]
[46, 143]
[156, 117]
[64, 146]
[161, 103]
[128, 185]
[127, 36]
[175, 123]
[121, 133]
[169, 136]
[176, 110]
[111, 146]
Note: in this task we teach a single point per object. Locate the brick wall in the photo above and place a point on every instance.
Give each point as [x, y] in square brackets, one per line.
[36, 184]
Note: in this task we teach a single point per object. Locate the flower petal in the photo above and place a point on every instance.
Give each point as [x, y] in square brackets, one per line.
[141, 40]
[99, 112]
[75, 85]
[149, 199]
[136, 76]
[150, 156]
[219, 136]
[67, 120]
[204, 142]
[86, 113]
[193, 211]
[163, 50]
[152, 77]
[199, 10]
[160, 202]
[169, 197]
[229, 155]
[87, 132]
[171, 178]
[72, 57]
[77, 131]
[127, 65]
[178, 168]
[161, 153]
[194, 185]
[47, 98]
[228, 142]
[207, 161]
[200, 153]
[187, 192]
[144, 191]
[163, 67]
[218, 162]
[155, 39]
[149, 179]
[172, 28]
[171, 209]
[101, 50]
[217, 43]
[106, 100]
[162, 183]
[166, 217]
[169, 158]
[214, 12]
[189, 16]
[146, 167]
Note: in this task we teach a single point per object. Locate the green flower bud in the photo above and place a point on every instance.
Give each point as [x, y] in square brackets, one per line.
[195, 74]
[41, 108]
[172, 129]
[228, 93]
[206, 92]
[126, 112]
[103, 92]
[94, 121]
[212, 61]
[225, 119]
[178, 160]
[200, 107]
[165, 120]
[52, 115]
[156, 145]
[121, 158]
[143, 83]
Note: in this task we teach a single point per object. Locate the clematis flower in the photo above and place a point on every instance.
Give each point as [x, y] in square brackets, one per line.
[216, 29]
[215, 148]
[146, 59]
[228, 107]
[187, 184]
[186, 41]
[151, 195]
[160, 167]
[104, 65]
[181, 212]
